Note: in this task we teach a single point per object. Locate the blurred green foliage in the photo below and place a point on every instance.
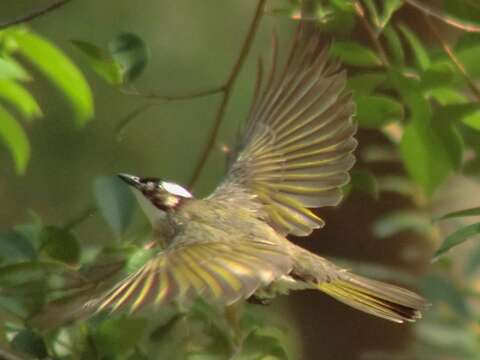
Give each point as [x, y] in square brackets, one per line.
[417, 87]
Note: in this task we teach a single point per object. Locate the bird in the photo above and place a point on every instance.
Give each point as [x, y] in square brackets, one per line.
[231, 246]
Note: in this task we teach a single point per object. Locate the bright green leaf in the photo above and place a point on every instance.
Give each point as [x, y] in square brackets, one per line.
[115, 201]
[100, 62]
[10, 69]
[355, 54]
[19, 97]
[456, 238]
[472, 119]
[422, 58]
[131, 53]
[60, 244]
[469, 58]
[60, 70]
[447, 96]
[16, 140]
[439, 74]
[375, 111]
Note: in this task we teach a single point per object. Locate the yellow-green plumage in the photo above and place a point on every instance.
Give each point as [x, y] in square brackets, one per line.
[295, 155]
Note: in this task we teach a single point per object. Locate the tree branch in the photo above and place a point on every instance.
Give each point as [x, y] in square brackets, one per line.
[34, 14]
[370, 32]
[453, 58]
[426, 10]
[188, 96]
[226, 89]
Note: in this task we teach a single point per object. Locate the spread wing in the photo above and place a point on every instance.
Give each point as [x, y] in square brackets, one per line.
[298, 144]
[219, 271]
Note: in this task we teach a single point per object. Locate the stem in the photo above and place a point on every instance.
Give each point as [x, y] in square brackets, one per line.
[453, 58]
[188, 96]
[227, 88]
[34, 14]
[87, 213]
[371, 32]
[446, 19]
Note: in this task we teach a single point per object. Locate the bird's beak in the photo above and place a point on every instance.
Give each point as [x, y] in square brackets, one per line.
[131, 180]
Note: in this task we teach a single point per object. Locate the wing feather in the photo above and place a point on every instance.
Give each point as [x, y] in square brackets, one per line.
[298, 144]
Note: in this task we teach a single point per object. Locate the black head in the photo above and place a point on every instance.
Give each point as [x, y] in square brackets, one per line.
[162, 194]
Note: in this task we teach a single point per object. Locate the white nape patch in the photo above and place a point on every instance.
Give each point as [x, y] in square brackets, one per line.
[176, 189]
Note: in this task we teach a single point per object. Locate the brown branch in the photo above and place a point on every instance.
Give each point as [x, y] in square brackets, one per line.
[188, 96]
[227, 88]
[371, 32]
[453, 58]
[468, 27]
[34, 14]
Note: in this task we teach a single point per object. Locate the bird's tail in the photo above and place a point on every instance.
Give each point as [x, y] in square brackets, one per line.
[374, 297]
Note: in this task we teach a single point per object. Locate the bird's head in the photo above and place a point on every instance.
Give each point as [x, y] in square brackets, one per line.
[163, 195]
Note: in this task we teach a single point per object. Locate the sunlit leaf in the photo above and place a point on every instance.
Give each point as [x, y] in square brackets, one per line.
[447, 96]
[60, 244]
[115, 201]
[375, 111]
[15, 139]
[29, 342]
[10, 69]
[472, 120]
[60, 70]
[422, 58]
[456, 238]
[355, 54]
[21, 98]
[131, 52]
[100, 62]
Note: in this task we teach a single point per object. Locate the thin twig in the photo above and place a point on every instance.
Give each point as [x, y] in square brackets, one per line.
[468, 27]
[227, 91]
[371, 32]
[188, 96]
[453, 58]
[34, 14]
[129, 118]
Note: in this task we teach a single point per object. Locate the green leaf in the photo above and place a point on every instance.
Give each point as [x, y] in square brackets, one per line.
[456, 238]
[16, 140]
[425, 157]
[29, 342]
[365, 182]
[460, 213]
[19, 97]
[355, 54]
[438, 289]
[375, 111]
[10, 69]
[394, 45]
[447, 96]
[14, 246]
[115, 201]
[437, 75]
[398, 221]
[60, 70]
[100, 62]
[119, 335]
[366, 83]
[469, 58]
[389, 8]
[131, 53]
[60, 244]
[422, 58]
[472, 120]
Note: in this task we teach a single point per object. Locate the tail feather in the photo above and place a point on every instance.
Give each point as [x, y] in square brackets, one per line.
[377, 298]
